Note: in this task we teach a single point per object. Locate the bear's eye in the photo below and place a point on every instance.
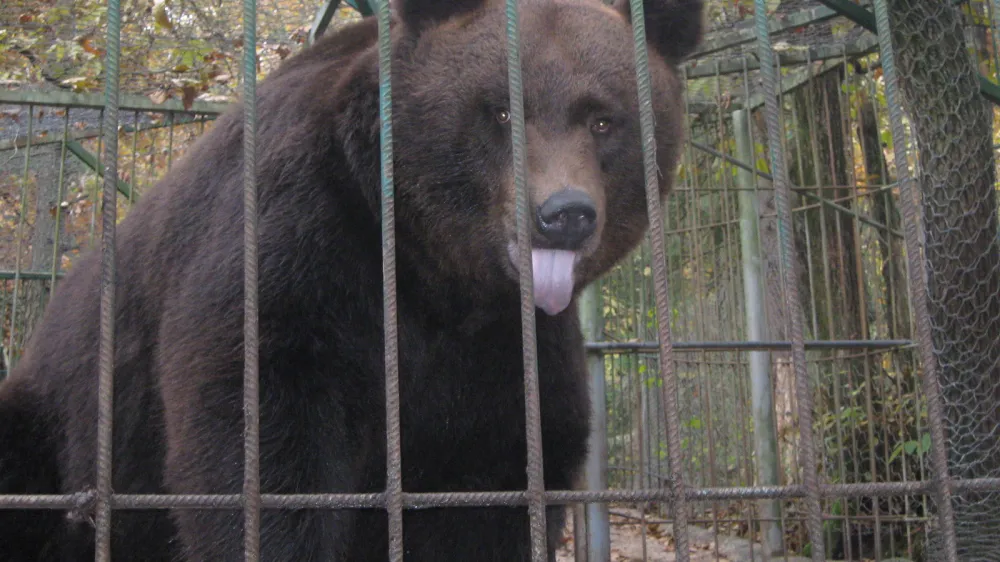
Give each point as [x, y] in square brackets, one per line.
[502, 115]
[601, 127]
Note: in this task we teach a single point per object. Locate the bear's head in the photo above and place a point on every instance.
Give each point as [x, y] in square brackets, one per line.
[453, 166]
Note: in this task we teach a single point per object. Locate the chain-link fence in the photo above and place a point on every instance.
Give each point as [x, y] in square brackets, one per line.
[785, 244]
[952, 124]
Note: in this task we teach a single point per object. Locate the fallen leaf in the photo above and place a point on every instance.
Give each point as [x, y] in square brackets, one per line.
[161, 16]
[189, 93]
[159, 96]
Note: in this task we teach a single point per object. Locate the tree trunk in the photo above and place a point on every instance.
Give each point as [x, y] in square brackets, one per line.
[831, 254]
[952, 123]
[885, 212]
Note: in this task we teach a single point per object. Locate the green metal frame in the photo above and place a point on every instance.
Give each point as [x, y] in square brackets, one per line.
[90, 160]
[726, 39]
[325, 15]
[866, 19]
[795, 56]
[129, 102]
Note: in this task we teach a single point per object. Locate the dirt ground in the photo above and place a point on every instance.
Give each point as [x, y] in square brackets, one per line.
[627, 543]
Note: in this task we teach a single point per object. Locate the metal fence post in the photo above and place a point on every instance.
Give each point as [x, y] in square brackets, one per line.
[106, 353]
[654, 212]
[251, 369]
[394, 458]
[532, 407]
[764, 428]
[598, 533]
[782, 196]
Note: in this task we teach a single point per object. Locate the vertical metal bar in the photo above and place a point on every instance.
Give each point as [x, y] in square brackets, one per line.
[251, 391]
[579, 531]
[93, 213]
[918, 287]
[596, 470]
[59, 207]
[536, 484]
[170, 136]
[21, 219]
[859, 285]
[135, 156]
[765, 437]
[394, 459]
[653, 208]
[803, 388]
[106, 352]
[707, 434]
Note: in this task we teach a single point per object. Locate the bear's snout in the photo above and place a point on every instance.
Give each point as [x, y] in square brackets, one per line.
[567, 219]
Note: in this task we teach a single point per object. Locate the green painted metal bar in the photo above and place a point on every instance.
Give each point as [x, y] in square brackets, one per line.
[866, 19]
[654, 210]
[796, 56]
[251, 367]
[59, 207]
[106, 348]
[20, 233]
[322, 20]
[86, 134]
[329, 9]
[793, 305]
[130, 102]
[536, 483]
[27, 275]
[90, 160]
[394, 454]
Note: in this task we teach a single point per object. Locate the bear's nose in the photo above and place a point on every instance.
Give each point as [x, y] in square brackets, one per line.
[567, 219]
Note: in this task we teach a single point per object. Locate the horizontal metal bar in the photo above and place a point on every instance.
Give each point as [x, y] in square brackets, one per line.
[612, 347]
[29, 275]
[795, 56]
[484, 499]
[22, 141]
[129, 102]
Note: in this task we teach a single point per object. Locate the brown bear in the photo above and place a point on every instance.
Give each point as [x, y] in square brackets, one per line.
[178, 417]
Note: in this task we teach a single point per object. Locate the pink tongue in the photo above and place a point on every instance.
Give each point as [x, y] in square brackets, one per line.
[553, 279]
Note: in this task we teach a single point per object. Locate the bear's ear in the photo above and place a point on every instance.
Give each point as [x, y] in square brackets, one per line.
[417, 15]
[673, 27]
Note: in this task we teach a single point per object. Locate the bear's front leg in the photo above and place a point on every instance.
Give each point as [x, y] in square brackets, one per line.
[304, 449]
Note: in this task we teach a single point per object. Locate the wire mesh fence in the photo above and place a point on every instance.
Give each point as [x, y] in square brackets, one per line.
[788, 225]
